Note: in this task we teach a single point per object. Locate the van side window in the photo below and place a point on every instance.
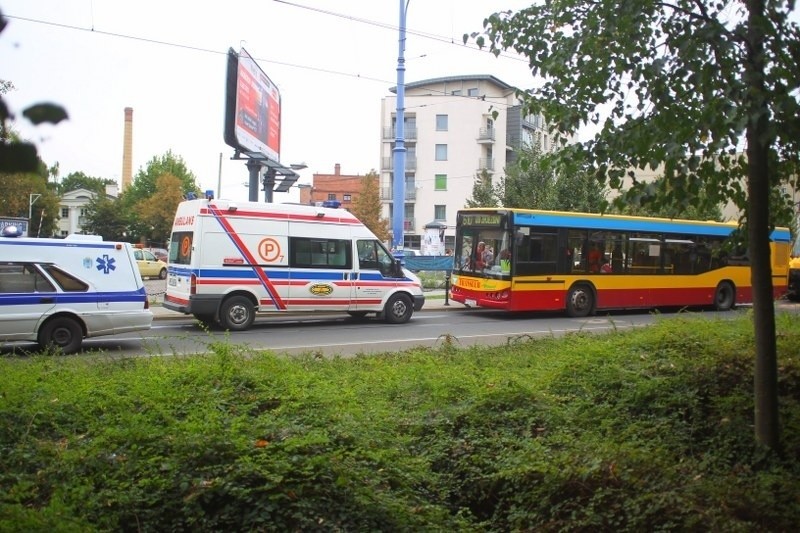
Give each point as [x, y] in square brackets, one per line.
[307, 252]
[66, 281]
[22, 278]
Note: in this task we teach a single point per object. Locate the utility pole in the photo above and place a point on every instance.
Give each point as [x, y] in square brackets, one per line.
[399, 152]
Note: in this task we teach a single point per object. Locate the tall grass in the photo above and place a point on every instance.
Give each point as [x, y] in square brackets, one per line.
[650, 429]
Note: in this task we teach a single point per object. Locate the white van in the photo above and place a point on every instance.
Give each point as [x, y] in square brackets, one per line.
[229, 260]
[58, 291]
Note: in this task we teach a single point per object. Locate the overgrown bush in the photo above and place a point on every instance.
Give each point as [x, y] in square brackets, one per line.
[643, 430]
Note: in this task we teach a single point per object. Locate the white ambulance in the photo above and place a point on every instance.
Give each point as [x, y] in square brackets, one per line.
[58, 291]
[229, 260]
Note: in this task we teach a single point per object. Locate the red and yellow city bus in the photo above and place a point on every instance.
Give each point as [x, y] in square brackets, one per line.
[531, 260]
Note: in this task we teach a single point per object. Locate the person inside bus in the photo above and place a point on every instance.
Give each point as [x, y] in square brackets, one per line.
[481, 255]
[595, 257]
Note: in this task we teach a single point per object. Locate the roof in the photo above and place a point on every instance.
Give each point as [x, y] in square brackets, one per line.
[450, 79]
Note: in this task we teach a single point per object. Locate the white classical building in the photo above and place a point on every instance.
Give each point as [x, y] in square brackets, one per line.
[455, 128]
[72, 209]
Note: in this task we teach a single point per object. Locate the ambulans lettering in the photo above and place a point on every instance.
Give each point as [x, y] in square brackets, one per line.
[184, 221]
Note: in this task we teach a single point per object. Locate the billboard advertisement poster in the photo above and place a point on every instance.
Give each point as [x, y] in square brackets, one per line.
[257, 109]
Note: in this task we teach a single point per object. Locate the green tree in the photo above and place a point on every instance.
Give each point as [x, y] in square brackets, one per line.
[367, 207]
[145, 182]
[533, 181]
[483, 191]
[700, 211]
[79, 180]
[157, 213]
[105, 217]
[682, 84]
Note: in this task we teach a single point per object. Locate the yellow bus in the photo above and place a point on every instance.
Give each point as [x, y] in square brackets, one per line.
[532, 260]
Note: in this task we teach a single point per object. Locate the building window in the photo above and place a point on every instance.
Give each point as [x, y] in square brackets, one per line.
[472, 92]
[65, 212]
[441, 152]
[347, 198]
[331, 196]
[440, 182]
[441, 122]
[440, 212]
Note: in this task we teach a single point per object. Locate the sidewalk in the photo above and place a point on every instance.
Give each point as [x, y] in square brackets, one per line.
[434, 301]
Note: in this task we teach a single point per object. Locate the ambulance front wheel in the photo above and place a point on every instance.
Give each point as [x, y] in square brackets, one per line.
[61, 333]
[237, 313]
[398, 309]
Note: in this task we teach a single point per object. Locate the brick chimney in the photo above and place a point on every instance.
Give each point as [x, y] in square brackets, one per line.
[337, 169]
[127, 150]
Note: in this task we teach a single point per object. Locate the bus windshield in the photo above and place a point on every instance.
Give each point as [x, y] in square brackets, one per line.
[482, 250]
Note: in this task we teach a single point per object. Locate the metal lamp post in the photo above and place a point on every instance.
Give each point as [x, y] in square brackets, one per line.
[399, 152]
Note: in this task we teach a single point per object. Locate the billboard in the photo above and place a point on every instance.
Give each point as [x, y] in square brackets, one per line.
[252, 108]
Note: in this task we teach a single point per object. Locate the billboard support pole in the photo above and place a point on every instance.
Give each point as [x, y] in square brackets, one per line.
[255, 169]
[269, 184]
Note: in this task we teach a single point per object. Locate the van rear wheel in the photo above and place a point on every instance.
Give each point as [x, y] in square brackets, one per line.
[398, 309]
[62, 333]
[237, 313]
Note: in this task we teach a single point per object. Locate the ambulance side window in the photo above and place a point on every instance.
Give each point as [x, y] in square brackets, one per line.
[67, 282]
[373, 256]
[22, 278]
[307, 252]
[180, 248]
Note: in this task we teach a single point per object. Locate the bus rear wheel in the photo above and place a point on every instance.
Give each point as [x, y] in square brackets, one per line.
[724, 296]
[237, 313]
[580, 301]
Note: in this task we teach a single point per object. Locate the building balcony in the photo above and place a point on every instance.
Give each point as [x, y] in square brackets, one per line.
[387, 163]
[486, 135]
[387, 194]
[486, 163]
[390, 134]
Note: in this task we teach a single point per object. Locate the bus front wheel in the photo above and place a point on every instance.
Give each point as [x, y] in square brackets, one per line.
[580, 301]
[724, 297]
[237, 313]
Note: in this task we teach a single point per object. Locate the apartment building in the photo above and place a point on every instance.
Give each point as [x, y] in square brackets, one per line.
[451, 136]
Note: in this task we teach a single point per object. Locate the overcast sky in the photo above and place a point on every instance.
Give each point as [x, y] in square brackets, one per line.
[332, 61]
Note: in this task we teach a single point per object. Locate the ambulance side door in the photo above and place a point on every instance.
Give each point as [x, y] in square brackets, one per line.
[374, 272]
[25, 297]
[321, 271]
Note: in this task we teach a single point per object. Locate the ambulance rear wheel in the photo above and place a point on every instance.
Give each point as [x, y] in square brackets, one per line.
[62, 333]
[398, 309]
[237, 313]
